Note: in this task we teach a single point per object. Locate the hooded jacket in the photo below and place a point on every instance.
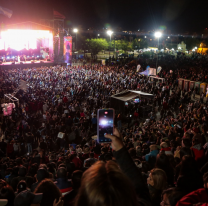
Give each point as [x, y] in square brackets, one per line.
[198, 151]
[152, 153]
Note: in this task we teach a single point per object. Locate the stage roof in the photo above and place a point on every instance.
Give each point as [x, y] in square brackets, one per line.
[28, 25]
[131, 94]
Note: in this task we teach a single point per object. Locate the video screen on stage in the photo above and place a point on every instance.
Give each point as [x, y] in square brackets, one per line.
[67, 49]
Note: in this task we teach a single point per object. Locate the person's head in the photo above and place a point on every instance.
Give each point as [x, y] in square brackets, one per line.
[44, 166]
[22, 171]
[186, 143]
[2, 183]
[195, 141]
[76, 179]
[7, 193]
[62, 172]
[132, 152]
[50, 192]
[164, 145]
[104, 184]
[91, 154]
[22, 185]
[171, 196]
[42, 174]
[162, 161]
[27, 198]
[19, 161]
[188, 166]
[185, 151]
[153, 147]
[205, 180]
[157, 179]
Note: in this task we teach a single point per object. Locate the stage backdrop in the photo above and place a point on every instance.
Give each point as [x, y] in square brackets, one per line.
[67, 49]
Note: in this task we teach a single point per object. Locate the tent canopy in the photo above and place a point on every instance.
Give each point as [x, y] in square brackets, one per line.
[132, 94]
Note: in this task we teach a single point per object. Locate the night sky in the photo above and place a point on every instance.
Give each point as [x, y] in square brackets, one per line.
[176, 15]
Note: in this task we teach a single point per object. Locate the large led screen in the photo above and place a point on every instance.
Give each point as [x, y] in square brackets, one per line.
[67, 49]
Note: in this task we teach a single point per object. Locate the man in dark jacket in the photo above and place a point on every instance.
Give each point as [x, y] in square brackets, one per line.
[76, 182]
[3, 146]
[41, 175]
[22, 176]
[129, 168]
[62, 182]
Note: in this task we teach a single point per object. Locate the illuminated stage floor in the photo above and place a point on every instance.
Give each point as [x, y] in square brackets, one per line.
[27, 64]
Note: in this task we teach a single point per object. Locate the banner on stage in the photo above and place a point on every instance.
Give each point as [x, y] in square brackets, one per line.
[67, 49]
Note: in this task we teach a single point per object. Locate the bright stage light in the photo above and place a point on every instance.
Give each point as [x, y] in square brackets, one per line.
[75, 30]
[23, 39]
[109, 32]
[37, 56]
[104, 122]
[158, 34]
[7, 57]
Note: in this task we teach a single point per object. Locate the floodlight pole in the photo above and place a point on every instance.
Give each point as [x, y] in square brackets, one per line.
[157, 53]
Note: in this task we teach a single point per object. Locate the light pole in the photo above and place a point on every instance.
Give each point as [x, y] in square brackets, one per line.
[109, 32]
[75, 31]
[158, 35]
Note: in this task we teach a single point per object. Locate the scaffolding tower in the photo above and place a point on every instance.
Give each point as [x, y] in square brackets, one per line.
[58, 36]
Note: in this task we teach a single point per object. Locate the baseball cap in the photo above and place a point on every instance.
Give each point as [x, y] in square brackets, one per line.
[26, 198]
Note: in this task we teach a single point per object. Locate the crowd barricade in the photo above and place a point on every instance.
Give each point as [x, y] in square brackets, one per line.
[181, 83]
[203, 87]
[192, 85]
[197, 87]
[186, 84]
[157, 79]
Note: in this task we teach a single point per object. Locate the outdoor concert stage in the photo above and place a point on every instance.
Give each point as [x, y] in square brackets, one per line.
[27, 64]
[26, 44]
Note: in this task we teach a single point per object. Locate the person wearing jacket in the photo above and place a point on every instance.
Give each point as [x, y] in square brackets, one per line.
[165, 148]
[157, 182]
[113, 185]
[198, 151]
[197, 197]
[62, 182]
[153, 152]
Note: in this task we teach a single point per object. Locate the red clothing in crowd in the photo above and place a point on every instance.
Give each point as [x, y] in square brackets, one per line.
[77, 162]
[65, 100]
[197, 197]
[10, 148]
[136, 114]
[198, 152]
[82, 114]
[165, 105]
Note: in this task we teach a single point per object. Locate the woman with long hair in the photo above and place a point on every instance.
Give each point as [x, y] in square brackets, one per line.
[50, 192]
[162, 162]
[157, 182]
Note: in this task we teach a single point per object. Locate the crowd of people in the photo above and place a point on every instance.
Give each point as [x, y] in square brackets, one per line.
[50, 156]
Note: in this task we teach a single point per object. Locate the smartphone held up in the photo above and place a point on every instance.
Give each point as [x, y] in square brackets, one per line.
[105, 118]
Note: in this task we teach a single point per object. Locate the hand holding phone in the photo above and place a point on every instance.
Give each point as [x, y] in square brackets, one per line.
[116, 139]
[105, 124]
